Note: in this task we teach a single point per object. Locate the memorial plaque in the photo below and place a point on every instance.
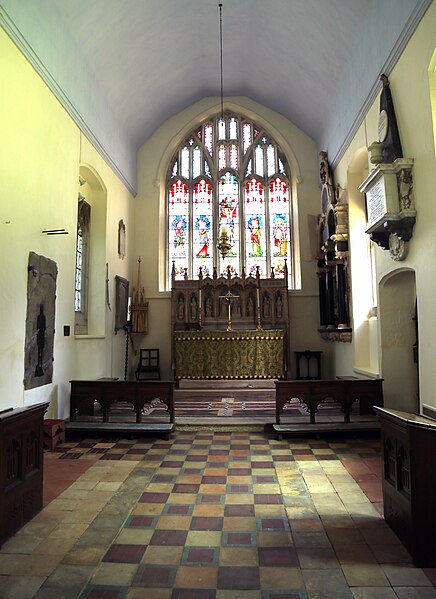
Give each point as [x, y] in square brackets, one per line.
[376, 202]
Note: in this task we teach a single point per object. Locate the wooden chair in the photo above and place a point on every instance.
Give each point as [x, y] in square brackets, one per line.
[148, 364]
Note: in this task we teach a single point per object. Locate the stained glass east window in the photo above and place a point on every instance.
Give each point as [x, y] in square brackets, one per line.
[228, 176]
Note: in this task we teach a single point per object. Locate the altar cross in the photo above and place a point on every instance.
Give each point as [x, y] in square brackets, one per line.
[229, 297]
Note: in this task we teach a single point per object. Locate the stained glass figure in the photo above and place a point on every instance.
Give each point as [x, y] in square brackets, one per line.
[255, 227]
[280, 235]
[228, 209]
[179, 236]
[255, 234]
[202, 226]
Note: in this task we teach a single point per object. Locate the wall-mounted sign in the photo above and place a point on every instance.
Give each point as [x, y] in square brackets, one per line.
[376, 202]
[388, 211]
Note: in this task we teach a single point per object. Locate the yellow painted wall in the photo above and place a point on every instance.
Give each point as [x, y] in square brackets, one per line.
[409, 82]
[150, 223]
[40, 154]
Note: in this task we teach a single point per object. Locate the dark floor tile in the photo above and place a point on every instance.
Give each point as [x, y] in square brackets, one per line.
[149, 575]
[272, 523]
[210, 498]
[213, 480]
[112, 456]
[185, 488]
[163, 478]
[206, 523]
[278, 557]
[238, 539]
[193, 594]
[239, 489]
[178, 510]
[93, 591]
[239, 472]
[238, 578]
[200, 556]
[126, 554]
[239, 510]
[173, 538]
[268, 499]
[141, 522]
[153, 497]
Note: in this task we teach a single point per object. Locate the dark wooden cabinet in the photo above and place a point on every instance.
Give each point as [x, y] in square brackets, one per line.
[409, 481]
[21, 467]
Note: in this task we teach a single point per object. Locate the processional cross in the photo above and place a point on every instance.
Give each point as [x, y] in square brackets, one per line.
[229, 297]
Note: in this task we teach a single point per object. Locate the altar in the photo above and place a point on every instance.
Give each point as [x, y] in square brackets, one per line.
[249, 354]
[230, 327]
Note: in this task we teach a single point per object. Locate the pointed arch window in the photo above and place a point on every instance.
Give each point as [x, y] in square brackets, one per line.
[228, 176]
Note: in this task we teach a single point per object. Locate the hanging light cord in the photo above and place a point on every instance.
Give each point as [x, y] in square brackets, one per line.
[221, 57]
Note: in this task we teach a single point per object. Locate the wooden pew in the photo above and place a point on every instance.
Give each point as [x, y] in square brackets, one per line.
[144, 396]
[311, 393]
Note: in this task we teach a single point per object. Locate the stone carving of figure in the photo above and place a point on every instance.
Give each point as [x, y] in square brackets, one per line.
[40, 340]
[250, 306]
[181, 308]
[405, 188]
[279, 306]
[266, 307]
[208, 310]
[193, 308]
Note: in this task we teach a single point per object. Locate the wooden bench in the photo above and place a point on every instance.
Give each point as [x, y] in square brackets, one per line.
[312, 393]
[146, 397]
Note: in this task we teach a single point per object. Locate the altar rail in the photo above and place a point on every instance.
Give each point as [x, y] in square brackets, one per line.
[311, 394]
[147, 398]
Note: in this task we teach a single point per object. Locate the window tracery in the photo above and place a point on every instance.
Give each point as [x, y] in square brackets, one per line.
[228, 176]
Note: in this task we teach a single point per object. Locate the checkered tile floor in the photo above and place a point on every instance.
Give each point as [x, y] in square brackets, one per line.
[214, 516]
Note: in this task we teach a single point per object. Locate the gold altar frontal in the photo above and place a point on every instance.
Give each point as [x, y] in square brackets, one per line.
[256, 354]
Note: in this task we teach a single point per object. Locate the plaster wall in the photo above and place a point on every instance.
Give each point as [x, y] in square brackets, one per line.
[409, 82]
[150, 221]
[40, 154]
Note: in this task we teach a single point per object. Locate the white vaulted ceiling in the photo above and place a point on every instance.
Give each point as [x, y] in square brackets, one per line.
[122, 67]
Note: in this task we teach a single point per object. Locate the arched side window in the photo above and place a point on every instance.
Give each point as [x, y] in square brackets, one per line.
[82, 264]
[228, 177]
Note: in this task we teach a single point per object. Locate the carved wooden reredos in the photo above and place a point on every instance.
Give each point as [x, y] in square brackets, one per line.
[256, 302]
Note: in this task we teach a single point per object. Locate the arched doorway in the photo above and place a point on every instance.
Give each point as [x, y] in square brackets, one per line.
[398, 331]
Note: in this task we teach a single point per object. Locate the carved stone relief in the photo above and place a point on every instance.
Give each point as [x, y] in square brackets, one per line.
[40, 321]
